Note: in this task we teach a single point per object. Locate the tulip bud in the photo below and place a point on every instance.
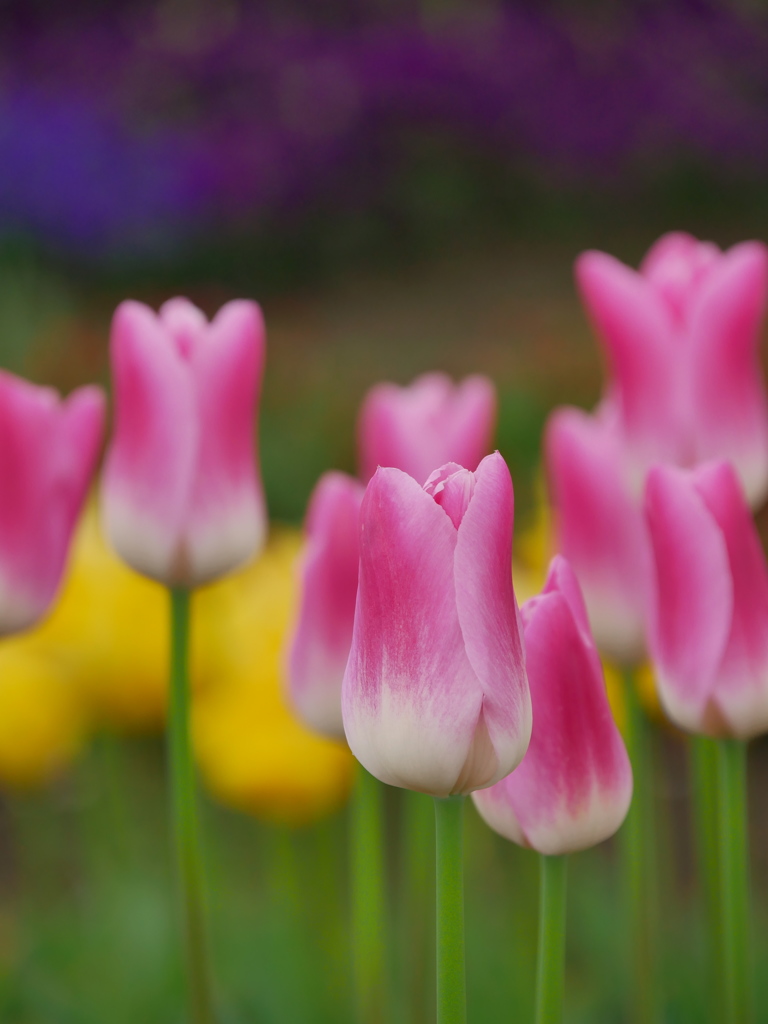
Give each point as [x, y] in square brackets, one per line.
[435, 696]
[574, 785]
[48, 452]
[182, 498]
[429, 423]
[709, 631]
[600, 529]
[682, 336]
[323, 632]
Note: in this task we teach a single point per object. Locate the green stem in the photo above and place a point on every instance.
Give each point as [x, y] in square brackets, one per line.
[639, 855]
[551, 960]
[185, 824]
[451, 981]
[417, 906]
[734, 880]
[707, 830]
[368, 905]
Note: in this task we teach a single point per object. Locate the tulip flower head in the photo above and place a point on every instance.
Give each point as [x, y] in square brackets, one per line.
[574, 785]
[709, 633]
[435, 696]
[600, 529]
[429, 423]
[323, 633]
[681, 335]
[48, 454]
[182, 497]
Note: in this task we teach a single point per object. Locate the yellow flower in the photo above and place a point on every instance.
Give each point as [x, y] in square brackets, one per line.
[253, 752]
[41, 716]
[646, 687]
[109, 631]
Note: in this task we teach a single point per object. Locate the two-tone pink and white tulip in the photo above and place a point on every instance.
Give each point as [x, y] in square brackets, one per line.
[435, 696]
[323, 633]
[574, 785]
[48, 453]
[709, 632]
[427, 424]
[681, 337]
[182, 497]
[600, 528]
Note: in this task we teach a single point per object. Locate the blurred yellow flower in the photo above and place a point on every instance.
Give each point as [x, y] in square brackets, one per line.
[533, 548]
[646, 687]
[41, 716]
[109, 631]
[252, 751]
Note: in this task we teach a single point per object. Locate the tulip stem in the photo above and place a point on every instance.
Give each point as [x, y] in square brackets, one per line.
[184, 811]
[551, 958]
[451, 980]
[368, 900]
[734, 880]
[707, 829]
[639, 854]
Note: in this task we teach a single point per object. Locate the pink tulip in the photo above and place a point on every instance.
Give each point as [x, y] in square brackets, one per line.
[48, 454]
[182, 497]
[427, 424]
[710, 625]
[435, 696]
[574, 786]
[323, 634]
[600, 528]
[682, 336]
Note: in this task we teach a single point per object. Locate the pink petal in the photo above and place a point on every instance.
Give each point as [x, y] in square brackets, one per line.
[730, 406]
[574, 785]
[323, 634]
[425, 425]
[47, 458]
[452, 488]
[741, 690]
[636, 328]
[488, 612]
[148, 472]
[600, 529]
[225, 521]
[411, 703]
[694, 596]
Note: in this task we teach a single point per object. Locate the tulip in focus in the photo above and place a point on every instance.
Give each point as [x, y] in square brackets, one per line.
[427, 424]
[710, 624]
[182, 498]
[435, 696]
[682, 335]
[574, 785]
[47, 457]
[323, 633]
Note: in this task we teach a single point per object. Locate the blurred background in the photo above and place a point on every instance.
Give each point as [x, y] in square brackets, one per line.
[404, 187]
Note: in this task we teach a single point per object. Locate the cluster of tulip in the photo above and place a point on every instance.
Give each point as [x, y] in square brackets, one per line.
[408, 641]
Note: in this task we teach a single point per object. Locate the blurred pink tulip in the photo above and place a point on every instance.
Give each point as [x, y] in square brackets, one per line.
[48, 454]
[427, 424]
[323, 632]
[574, 785]
[435, 696]
[709, 633]
[681, 335]
[182, 497]
[600, 528]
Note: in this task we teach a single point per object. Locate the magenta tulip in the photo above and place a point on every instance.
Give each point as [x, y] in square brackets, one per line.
[182, 497]
[600, 528]
[323, 633]
[681, 337]
[435, 696]
[429, 423]
[710, 624]
[574, 785]
[47, 457]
